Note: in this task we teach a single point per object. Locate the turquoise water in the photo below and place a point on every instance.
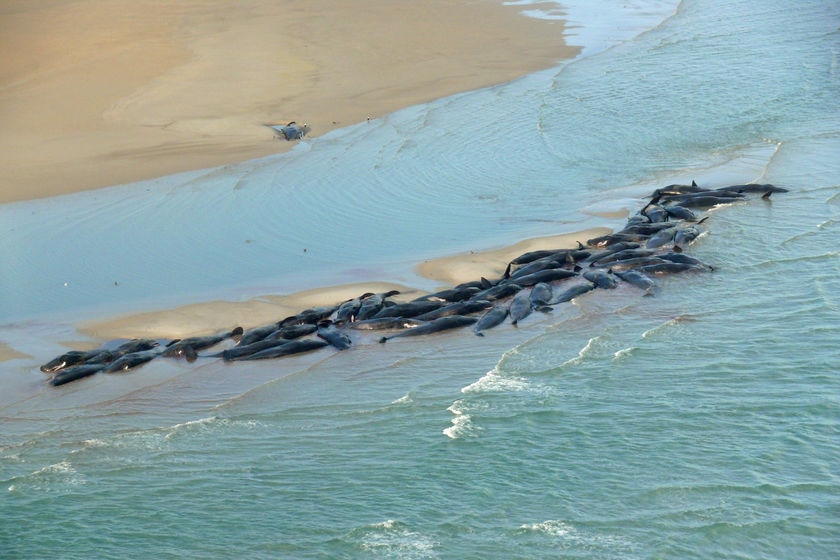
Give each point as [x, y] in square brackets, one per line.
[700, 423]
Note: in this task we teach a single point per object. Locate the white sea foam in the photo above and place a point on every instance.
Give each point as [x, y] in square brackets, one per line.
[552, 527]
[57, 477]
[405, 399]
[64, 467]
[587, 23]
[667, 324]
[582, 354]
[391, 538]
[209, 424]
[624, 353]
[462, 424]
[573, 536]
[200, 423]
[461, 427]
[492, 382]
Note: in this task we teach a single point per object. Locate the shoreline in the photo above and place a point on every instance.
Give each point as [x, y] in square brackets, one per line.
[213, 316]
[103, 94]
[100, 95]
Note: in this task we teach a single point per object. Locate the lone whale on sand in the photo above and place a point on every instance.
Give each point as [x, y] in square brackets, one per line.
[291, 131]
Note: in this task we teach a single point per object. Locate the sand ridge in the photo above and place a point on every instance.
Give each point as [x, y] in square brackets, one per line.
[215, 316]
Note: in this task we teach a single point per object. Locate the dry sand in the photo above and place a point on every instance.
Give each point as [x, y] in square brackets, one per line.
[95, 93]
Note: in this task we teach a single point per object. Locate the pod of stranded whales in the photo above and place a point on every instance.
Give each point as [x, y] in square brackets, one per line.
[652, 244]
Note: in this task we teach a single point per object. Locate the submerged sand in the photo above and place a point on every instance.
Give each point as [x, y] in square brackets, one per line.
[95, 94]
[217, 316]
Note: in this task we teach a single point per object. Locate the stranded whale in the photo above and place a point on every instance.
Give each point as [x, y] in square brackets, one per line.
[652, 244]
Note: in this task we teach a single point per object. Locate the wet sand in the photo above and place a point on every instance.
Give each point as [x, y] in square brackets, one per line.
[217, 316]
[210, 380]
[94, 94]
[491, 264]
[9, 353]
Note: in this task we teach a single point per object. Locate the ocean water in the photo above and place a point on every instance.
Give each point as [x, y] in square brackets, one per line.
[703, 422]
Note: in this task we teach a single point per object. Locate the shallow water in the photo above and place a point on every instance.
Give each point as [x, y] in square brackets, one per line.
[703, 422]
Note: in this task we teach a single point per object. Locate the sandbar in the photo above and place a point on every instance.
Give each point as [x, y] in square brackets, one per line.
[95, 94]
[216, 316]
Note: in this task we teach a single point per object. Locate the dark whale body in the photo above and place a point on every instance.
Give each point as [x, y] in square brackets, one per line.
[248, 349]
[66, 360]
[548, 275]
[499, 291]
[540, 295]
[530, 282]
[493, 317]
[290, 332]
[188, 346]
[371, 305]
[600, 278]
[753, 188]
[386, 323]
[287, 349]
[330, 333]
[457, 308]
[75, 372]
[572, 292]
[258, 333]
[638, 279]
[436, 325]
[520, 307]
[292, 130]
[133, 359]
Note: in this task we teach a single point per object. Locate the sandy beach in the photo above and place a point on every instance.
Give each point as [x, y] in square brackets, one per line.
[94, 94]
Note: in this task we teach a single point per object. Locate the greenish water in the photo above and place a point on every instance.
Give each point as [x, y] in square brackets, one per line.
[703, 422]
